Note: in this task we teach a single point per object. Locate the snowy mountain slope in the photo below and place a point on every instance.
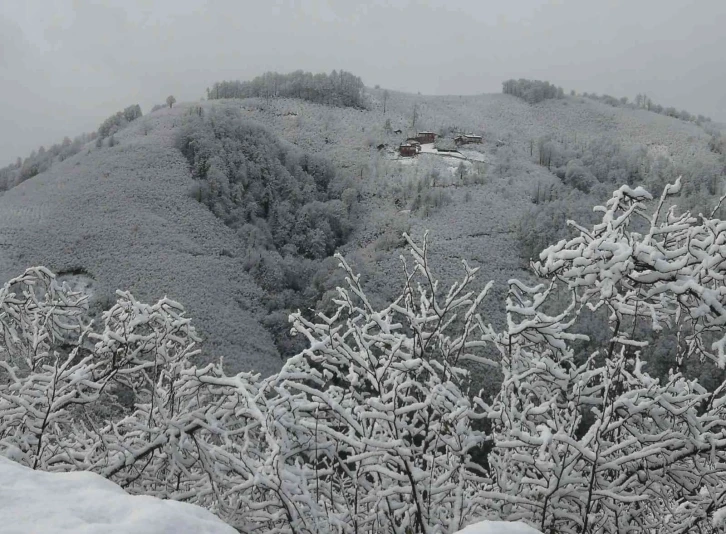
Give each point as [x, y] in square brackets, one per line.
[477, 225]
[498, 116]
[122, 217]
[123, 214]
[349, 138]
[54, 503]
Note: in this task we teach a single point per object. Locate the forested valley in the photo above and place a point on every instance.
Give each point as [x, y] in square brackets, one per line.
[291, 210]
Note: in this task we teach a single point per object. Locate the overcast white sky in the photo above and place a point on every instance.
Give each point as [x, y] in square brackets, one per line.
[65, 65]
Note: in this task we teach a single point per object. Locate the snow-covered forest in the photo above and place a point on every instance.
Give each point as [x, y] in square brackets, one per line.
[289, 209]
[41, 160]
[339, 88]
[265, 311]
[332, 267]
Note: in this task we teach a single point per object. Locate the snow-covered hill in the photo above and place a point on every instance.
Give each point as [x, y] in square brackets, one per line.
[478, 223]
[122, 218]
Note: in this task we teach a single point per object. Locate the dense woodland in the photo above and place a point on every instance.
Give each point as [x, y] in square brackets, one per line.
[588, 169]
[118, 120]
[289, 208]
[532, 91]
[339, 88]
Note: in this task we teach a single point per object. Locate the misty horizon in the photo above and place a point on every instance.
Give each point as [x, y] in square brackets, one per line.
[68, 66]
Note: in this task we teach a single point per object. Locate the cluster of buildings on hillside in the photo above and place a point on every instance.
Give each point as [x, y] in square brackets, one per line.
[412, 146]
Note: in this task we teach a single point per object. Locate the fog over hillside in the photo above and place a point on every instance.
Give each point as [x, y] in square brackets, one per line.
[65, 65]
[320, 268]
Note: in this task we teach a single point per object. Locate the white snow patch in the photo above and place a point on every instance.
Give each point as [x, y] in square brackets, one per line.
[65, 503]
[498, 527]
[82, 283]
[473, 155]
[453, 160]
[719, 518]
[428, 148]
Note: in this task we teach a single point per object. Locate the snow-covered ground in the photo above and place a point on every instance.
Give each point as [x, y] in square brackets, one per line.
[36, 502]
[470, 155]
[473, 155]
[498, 527]
[428, 148]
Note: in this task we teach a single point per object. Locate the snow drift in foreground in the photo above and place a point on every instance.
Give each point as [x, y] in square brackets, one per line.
[55, 503]
[498, 527]
[49, 503]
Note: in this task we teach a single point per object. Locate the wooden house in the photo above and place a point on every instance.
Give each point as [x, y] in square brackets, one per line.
[426, 137]
[407, 151]
[445, 144]
[414, 142]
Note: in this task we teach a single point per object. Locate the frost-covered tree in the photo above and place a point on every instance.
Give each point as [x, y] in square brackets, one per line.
[367, 430]
[592, 443]
[280, 201]
[339, 88]
[254, 178]
[532, 91]
[118, 120]
[579, 177]
[373, 426]
[41, 160]
[461, 171]
[170, 100]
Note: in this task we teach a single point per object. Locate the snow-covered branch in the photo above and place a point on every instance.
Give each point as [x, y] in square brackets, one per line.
[374, 427]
